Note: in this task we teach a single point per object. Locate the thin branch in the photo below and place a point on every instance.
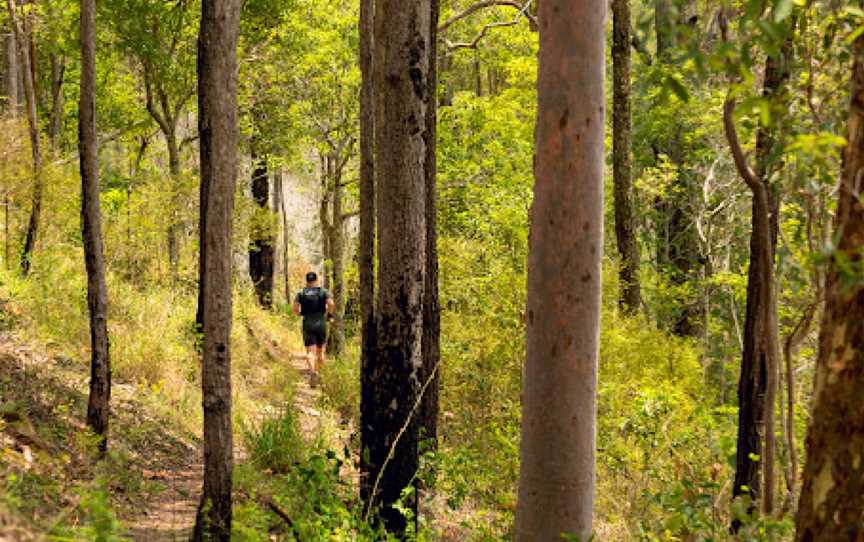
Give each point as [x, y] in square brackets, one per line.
[502, 24]
[483, 4]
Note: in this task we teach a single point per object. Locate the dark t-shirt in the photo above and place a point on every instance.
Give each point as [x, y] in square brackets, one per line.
[313, 306]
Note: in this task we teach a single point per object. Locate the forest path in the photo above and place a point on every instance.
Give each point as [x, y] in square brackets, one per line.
[170, 516]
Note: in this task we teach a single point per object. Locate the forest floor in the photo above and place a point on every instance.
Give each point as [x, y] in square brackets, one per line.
[50, 481]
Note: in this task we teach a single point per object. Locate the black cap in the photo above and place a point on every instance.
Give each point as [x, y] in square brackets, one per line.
[311, 276]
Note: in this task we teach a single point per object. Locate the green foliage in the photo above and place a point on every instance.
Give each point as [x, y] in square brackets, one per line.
[275, 443]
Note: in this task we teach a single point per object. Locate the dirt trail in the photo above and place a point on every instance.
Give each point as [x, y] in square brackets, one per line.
[170, 517]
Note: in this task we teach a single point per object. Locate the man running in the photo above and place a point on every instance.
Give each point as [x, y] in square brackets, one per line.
[315, 304]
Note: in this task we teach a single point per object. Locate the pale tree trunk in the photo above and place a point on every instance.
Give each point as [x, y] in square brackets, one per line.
[279, 211]
[33, 123]
[283, 212]
[557, 476]
[13, 72]
[625, 228]
[91, 221]
[832, 496]
[58, 70]
[217, 127]
[366, 249]
[402, 48]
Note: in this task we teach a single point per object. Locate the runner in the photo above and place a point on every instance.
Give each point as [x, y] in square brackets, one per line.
[315, 304]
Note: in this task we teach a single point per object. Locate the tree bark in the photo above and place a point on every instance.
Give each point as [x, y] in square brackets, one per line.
[757, 387]
[174, 219]
[557, 477]
[33, 124]
[13, 72]
[336, 338]
[91, 221]
[832, 496]
[366, 250]
[217, 127]
[261, 249]
[58, 70]
[431, 307]
[390, 431]
[283, 212]
[625, 227]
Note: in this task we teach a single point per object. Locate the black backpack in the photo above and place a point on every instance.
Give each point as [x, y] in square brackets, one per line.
[312, 301]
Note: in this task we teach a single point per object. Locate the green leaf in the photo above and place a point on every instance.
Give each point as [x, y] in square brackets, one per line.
[782, 10]
[677, 87]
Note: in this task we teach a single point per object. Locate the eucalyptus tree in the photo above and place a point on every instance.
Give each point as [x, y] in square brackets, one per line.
[27, 73]
[217, 126]
[91, 222]
[557, 467]
[831, 497]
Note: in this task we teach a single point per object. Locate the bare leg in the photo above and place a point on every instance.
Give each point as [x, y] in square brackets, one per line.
[309, 358]
[321, 359]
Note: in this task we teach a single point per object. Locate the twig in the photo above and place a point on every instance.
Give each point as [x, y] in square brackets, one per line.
[392, 452]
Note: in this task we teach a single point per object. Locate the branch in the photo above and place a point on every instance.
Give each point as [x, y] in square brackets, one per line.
[735, 146]
[151, 107]
[188, 140]
[473, 43]
[477, 6]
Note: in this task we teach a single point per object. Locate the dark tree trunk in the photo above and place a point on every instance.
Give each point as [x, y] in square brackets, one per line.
[557, 475]
[678, 243]
[366, 250]
[832, 496]
[760, 360]
[91, 221]
[217, 127]
[336, 338]
[390, 430]
[33, 123]
[13, 73]
[58, 69]
[174, 212]
[261, 249]
[431, 310]
[625, 227]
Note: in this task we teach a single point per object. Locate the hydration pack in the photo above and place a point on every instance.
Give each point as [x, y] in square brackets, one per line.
[312, 301]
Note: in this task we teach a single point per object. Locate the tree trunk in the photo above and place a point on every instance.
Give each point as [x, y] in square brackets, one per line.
[336, 338]
[33, 124]
[91, 221]
[58, 69]
[174, 212]
[556, 479]
[261, 248]
[13, 72]
[390, 431]
[678, 245]
[832, 496]
[366, 250]
[625, 228]
[217, 127]
[283, 212]
[431, 307]
[757, 387]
